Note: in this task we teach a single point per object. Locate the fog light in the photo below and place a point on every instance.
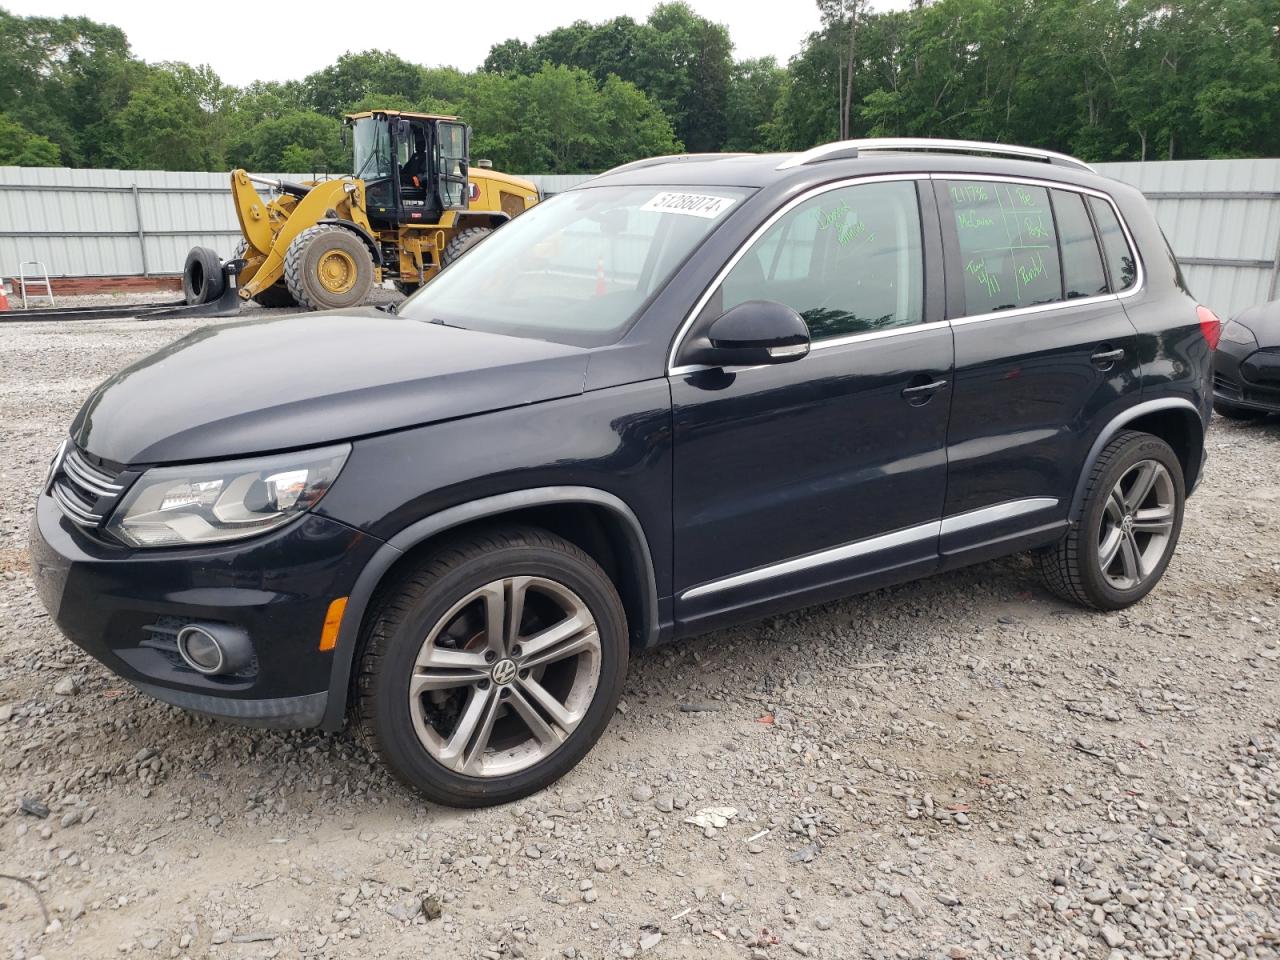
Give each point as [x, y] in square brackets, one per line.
[214, 648]
[200, 649]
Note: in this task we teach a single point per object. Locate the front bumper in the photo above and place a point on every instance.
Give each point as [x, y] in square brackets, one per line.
[124, 606]
[1245, 376]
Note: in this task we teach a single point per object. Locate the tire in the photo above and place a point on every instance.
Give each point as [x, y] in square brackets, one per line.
[202, 277]
[328, 267]
[462, 241]
[1074, 568]
[275, 296]
[1232, 412]
[438, 610]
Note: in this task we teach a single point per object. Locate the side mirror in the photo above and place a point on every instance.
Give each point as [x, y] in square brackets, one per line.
[756, 332]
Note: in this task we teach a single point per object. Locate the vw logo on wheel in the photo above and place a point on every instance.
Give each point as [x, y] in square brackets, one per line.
[504, 671]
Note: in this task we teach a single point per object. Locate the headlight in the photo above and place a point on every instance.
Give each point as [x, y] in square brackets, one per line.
[213, 502]
[1238, 333]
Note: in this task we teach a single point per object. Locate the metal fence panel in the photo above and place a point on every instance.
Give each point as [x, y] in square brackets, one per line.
[1222, 218]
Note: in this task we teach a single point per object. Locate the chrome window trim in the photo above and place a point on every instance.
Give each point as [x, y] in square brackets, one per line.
[955, 523]
[808, 561]
[1139, 280]
[1135, 288]
[750, 241]
[1008, 510]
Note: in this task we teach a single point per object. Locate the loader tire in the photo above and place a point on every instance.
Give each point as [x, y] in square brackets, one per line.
[328, 268]
[276, 295]
[462, 241]
[202, 277]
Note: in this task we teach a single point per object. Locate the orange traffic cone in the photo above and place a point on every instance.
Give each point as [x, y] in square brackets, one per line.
[4, 297]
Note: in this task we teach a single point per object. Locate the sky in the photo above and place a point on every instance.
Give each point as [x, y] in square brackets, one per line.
[242, 47]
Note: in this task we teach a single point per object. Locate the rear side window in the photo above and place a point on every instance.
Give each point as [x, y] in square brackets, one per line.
[1008, 245]
[1082, 272]
[848, 260]
[1121, 263]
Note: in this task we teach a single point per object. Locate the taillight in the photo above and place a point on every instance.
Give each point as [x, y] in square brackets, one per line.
[473, 192]
[1210, 326]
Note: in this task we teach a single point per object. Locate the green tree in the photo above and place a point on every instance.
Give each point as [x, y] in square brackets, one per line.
[298, 142]
[356, 76]
[164, 126]
[19, 147]
[755, 93]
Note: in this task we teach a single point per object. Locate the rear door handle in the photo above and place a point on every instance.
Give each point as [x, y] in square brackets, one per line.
[923, 392]
[1106, 359]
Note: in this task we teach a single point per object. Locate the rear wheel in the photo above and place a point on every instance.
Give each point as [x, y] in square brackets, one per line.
[490, 670]
[1229, 410]
[462, 241]
[328, 268]
[1128, 527]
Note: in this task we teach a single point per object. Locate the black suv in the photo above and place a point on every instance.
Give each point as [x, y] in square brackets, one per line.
[693, 391]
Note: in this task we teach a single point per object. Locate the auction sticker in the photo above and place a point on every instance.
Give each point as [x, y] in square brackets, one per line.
[689, 205]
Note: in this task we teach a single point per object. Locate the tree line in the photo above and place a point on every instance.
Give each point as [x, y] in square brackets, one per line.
[1101, 79]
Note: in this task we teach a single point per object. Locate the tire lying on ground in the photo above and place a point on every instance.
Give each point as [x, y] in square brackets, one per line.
[202, 277]
[328, 268]
[462, 241]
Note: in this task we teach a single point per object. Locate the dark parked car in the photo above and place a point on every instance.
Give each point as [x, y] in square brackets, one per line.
[1246, 365]
[702, 389]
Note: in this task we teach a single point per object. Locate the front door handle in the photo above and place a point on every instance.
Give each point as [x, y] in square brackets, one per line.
[921, 393]
[1105, 359]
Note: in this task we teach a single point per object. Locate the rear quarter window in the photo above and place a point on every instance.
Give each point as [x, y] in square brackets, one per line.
[1122, 265]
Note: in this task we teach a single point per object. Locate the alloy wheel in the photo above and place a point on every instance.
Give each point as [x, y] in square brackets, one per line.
[1137, 525]
[505, 676]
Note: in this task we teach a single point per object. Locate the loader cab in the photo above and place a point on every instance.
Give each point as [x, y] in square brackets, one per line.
[414, 166]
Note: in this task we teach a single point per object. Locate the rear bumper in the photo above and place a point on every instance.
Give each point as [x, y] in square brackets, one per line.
[124, 607]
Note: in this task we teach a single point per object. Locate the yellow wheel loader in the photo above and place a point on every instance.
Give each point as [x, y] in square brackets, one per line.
[413, 204]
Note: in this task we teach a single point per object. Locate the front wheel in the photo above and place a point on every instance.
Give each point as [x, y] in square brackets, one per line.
[328, 267]
[490, 670]
[1128, 527]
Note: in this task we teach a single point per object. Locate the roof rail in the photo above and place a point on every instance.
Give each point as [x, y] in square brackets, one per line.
[654, 161]
[846, 149]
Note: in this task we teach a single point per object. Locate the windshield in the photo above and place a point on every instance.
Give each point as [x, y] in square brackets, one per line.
[577, 268]
[371, 143]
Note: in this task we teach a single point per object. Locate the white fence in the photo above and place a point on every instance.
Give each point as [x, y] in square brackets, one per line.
[1222, 218]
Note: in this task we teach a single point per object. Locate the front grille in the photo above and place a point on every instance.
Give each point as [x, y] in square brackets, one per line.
[84, 491]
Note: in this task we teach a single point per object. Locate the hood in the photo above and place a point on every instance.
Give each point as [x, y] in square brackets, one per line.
[310, 379]
[1263, 320]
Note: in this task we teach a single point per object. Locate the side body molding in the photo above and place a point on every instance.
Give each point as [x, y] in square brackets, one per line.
[1114, 426]
[411, 536]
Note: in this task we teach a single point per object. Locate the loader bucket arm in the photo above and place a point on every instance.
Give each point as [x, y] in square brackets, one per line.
[269, 235]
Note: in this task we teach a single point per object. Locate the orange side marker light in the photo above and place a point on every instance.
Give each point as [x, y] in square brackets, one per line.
[332, 623]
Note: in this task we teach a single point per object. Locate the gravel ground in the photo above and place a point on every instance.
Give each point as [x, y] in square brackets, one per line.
[963, 767]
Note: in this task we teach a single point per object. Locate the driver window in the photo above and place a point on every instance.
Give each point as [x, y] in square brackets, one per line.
[848, 261]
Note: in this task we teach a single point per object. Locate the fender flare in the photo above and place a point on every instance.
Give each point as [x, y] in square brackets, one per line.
[369, 240]
[1114, 426]
[395, 548]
